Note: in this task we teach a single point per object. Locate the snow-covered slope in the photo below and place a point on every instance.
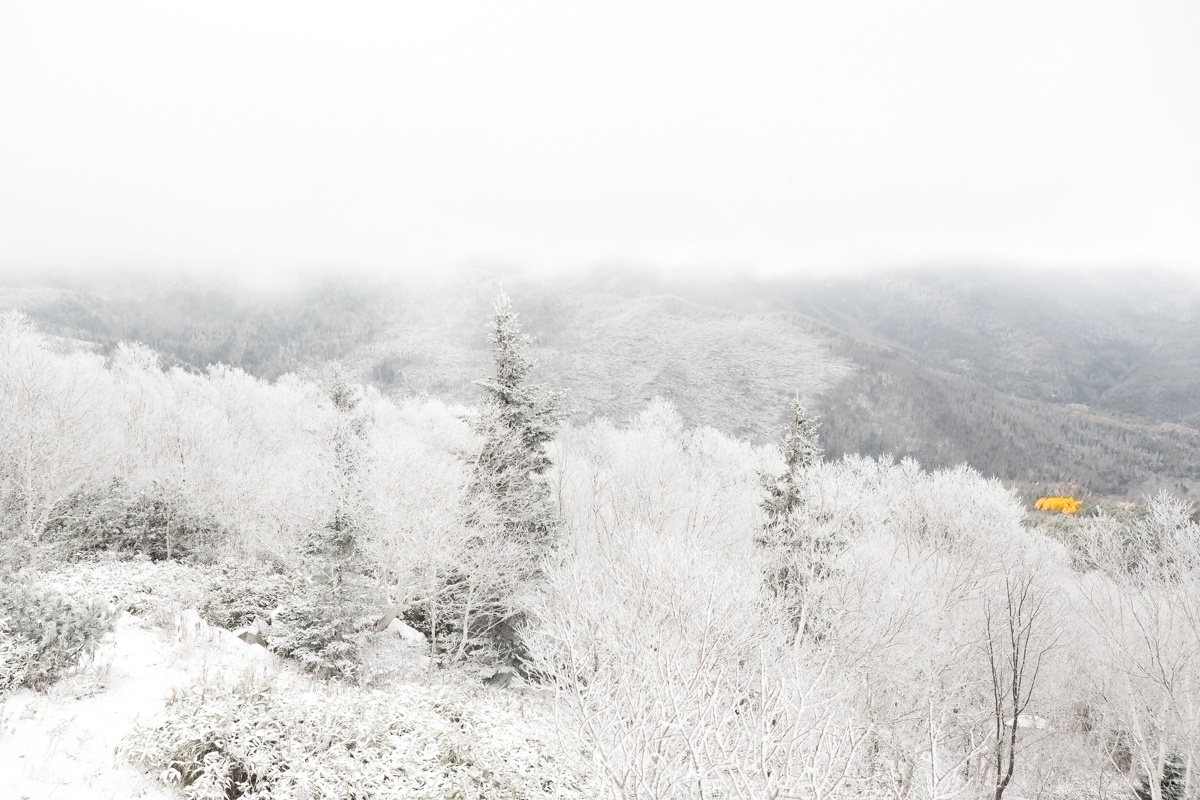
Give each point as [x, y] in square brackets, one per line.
[65, 743]
[435, 735]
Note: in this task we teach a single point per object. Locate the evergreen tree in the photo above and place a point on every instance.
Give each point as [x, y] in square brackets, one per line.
[516, 422]
[319, 627]
[336, 545]
[800, 451]
[797, 552]
[1173, 783]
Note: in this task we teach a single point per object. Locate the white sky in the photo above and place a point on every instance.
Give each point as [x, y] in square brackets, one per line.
[783, 136]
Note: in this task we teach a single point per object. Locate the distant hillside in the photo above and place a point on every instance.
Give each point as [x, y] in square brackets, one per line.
[892, 404]
[613, 355]
[1127, 343]
[1096, 383]
[196, 325]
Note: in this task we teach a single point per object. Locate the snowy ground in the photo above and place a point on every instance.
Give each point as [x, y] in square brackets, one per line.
[64, 744]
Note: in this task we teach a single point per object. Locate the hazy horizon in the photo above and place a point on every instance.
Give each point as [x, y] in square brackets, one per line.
[786, 139]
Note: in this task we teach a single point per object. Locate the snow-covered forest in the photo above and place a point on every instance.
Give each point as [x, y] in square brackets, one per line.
[355, 596]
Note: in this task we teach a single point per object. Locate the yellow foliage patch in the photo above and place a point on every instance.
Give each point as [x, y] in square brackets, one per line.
[1067, 505]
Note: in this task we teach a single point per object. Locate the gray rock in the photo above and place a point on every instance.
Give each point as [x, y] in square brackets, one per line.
[252, 636]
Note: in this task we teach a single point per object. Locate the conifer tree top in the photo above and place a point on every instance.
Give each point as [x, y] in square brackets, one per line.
[509, 353]
[533, 415]
[800, 446]
[800, 451]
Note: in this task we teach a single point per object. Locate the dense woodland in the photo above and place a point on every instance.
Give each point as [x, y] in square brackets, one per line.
[687, 613]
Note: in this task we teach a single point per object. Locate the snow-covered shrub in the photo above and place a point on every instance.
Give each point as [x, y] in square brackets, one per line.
[44, 634]
[17, 657]
[321, 630]
[237, 593]
[154, 590]
[390, 657]
[152, 520]
[260, 741]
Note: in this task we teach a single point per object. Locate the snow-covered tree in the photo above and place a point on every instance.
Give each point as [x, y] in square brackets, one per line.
[335, 543]
[516, 422]
[56, 437]
[442, 564]
[675, 684]
[321, 628]
[1142, 604]
[655, 474]
[798, 551]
